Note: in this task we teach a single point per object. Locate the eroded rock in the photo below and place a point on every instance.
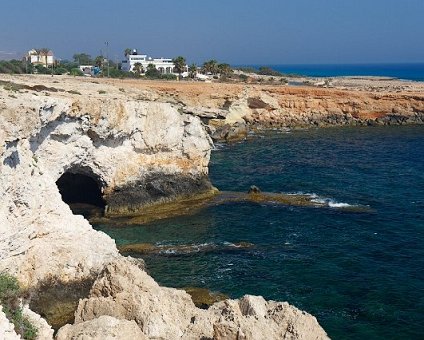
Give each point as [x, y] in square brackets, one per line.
[124, 291]
[102, 328]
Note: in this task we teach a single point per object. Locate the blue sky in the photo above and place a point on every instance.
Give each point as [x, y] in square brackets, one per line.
[233, 31]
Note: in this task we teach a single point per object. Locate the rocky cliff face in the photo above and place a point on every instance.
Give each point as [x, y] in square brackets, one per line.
[138, 152]
[232, 109]
[136, 149]
[124, 291]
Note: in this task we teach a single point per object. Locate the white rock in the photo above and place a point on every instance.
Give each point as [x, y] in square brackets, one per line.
[102, 328]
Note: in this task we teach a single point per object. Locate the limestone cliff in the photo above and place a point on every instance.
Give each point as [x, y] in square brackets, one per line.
[138, 152]
[138, 149]
[231, 109]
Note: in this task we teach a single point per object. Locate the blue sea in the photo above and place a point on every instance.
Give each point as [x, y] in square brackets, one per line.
[413, 71]
[359, 271]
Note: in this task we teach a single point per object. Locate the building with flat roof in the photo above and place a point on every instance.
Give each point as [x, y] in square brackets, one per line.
[163, 65]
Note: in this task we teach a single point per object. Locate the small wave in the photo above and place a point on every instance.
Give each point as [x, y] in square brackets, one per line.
[301, 193]
[331, 203]
[218, 146]
[164, 248]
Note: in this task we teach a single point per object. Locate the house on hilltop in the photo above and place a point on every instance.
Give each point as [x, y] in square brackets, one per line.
[42, 56]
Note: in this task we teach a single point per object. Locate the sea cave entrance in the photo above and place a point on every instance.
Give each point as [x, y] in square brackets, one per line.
[81, 189]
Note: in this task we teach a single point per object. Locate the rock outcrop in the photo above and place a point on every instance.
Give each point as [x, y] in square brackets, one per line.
[124, 291]
[232, 109]
[138, 153]
[102, 328]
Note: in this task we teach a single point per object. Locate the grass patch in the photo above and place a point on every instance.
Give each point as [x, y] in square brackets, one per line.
[9, 86]
[9, 299]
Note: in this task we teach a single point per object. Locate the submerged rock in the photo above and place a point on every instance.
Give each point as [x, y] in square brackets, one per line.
[204, 298]
[254, 190]
[230, 132]
[179, 249]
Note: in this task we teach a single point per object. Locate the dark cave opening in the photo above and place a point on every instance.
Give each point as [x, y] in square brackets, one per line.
[81, 192]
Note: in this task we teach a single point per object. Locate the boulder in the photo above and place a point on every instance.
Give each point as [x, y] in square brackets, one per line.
[124, 291]
[102, 328]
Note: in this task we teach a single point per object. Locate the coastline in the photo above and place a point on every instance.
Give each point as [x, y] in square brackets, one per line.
[107, 139]
[125, 131]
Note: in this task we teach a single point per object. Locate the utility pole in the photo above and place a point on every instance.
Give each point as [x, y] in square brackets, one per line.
[107, 57]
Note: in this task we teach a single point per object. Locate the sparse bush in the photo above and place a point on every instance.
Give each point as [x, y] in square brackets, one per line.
[168, 76]
[267, 71]
[122, 90]
[9, 86]
[152, 72]
[102, 91]
[9, 288]
[247, 69]
[40, 69]
[9, 299]
[243, 77]
[76, 72]
[15, 66]
[60, 70]
[74, 92]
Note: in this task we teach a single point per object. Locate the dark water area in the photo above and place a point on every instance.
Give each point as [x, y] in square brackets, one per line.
[412, 71]
[360, 273]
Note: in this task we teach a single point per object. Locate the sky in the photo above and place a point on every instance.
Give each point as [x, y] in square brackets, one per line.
[233, 31]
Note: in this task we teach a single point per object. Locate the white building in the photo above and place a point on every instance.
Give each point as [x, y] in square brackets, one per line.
[40, 57]
[163, 65]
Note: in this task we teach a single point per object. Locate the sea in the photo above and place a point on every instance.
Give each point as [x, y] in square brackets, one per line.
[410, 71]
[355, 261]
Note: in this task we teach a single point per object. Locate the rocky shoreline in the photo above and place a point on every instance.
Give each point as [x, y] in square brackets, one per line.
[123, 149]
[129, 146]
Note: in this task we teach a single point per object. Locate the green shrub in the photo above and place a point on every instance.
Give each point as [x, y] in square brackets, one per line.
[168, 76]
[243, 77]
[9, 86]
[9, 288]
[42, 70]
[76, 72]
[60, 70]
[153, 73]
[247, 69]
[9, 299]
[267, 71]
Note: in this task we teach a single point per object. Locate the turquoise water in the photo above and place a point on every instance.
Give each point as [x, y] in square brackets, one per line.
[360, 273]
[412, 71]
